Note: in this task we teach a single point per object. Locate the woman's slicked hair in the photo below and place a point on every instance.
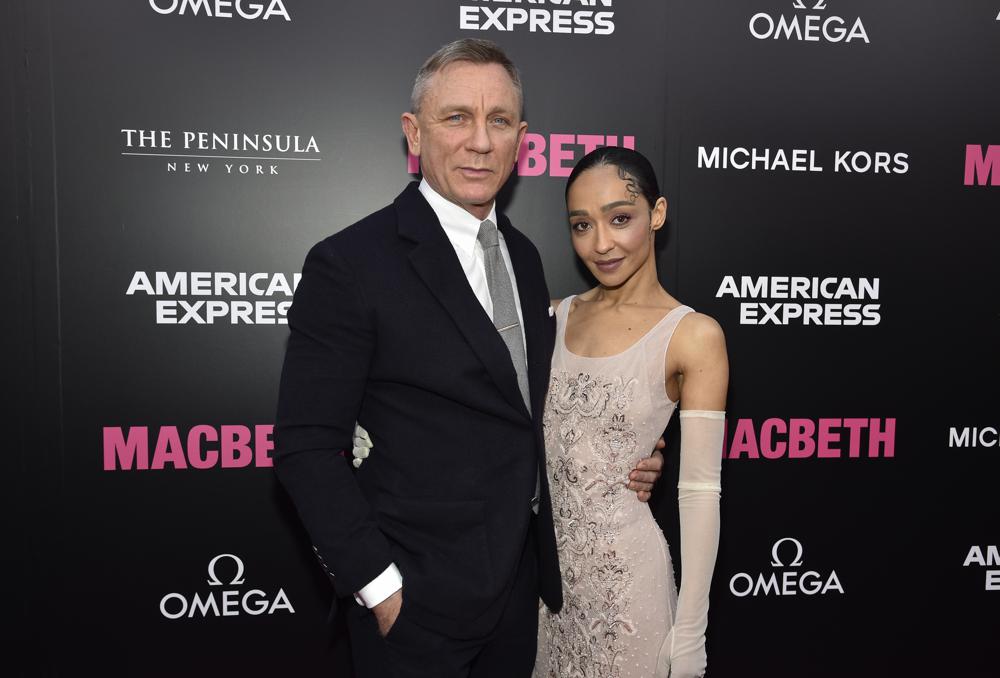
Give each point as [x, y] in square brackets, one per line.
[632, 166]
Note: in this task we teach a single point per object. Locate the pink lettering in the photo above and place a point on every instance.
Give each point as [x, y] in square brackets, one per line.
[531, 158]
[744, 441]
[854, 425]
[885, 437]
[554, 154]
[822, 438]
[169, 449]
[236, 452]
[800, 438]
[240, 447]
[558, 153]
[767, 448]
[979, 166]
[826, 436]
[627, 141]
[590, 142]
[263, 443]
[202, 458]
[123, 454]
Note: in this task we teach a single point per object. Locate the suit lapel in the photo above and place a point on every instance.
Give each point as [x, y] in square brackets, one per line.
[435, 262]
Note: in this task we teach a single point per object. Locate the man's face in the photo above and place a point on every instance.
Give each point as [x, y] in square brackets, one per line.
[467, 133]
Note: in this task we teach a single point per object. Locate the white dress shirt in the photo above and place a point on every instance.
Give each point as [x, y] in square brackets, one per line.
[462, 229]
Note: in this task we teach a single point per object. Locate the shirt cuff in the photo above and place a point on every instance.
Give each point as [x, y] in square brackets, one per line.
[381, 587]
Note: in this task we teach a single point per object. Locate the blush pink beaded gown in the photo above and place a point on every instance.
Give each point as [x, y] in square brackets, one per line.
[602, 415]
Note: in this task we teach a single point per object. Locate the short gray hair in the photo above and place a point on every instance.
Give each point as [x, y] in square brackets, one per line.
[473, 50]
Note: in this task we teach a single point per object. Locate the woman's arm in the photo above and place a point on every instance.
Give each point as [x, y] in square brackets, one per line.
[700, 347]
[704, 365]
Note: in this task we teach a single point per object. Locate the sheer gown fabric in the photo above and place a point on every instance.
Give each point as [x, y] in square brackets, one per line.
[602, 415]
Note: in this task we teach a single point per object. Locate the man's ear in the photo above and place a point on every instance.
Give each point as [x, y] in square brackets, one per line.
[412, 131]
[522, 128]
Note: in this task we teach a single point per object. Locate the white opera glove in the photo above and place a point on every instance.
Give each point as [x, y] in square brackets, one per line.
[362, 445]
[699, 488]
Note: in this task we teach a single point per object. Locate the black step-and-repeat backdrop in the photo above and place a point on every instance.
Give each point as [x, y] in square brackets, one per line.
[833, 174]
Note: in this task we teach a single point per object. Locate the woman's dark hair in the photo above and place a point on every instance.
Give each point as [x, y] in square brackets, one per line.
[632, 167]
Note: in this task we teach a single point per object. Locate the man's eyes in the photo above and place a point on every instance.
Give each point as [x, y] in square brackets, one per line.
[498, 121]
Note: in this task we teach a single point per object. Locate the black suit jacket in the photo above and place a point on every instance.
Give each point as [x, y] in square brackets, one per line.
[385, 329]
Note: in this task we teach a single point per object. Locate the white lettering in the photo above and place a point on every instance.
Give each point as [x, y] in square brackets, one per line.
[975, 556]
[807, 28]
[173, 615]
[221, 9]
[203, 606]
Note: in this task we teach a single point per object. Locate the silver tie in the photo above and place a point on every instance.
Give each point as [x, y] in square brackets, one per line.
[504, 310]
[505, 314]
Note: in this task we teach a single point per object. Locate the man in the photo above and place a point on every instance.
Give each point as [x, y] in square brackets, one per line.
[429, 323]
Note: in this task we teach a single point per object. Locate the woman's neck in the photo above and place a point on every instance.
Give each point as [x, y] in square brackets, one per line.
[641, 289]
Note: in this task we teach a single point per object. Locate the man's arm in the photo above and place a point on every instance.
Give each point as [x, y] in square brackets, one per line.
[647, 471]
[640, 480]
[322, 386]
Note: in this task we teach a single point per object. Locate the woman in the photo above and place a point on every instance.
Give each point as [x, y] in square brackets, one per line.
[627, 352]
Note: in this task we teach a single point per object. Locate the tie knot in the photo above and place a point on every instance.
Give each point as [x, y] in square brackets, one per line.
[488, 236]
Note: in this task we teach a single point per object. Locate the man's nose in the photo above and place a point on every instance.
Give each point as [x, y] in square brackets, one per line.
[480, 140]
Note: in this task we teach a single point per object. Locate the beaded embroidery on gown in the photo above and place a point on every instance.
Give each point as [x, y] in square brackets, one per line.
[602, 415]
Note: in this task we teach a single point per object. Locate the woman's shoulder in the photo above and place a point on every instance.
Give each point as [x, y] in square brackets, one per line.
[699, 333]
[700, 325]
[582, 296]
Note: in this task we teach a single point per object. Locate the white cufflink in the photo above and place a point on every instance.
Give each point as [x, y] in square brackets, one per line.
[551, 312]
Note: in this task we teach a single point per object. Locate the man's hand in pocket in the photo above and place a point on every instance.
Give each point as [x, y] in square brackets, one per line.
[387, 611]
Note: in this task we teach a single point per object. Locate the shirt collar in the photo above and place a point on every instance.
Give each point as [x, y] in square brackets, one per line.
[461, 227]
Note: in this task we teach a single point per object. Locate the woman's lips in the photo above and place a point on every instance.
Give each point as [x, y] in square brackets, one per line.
[609, 265]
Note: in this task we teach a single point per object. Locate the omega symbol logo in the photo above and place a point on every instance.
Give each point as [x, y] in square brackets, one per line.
[213, 579]
[798, 4]
[796, 561]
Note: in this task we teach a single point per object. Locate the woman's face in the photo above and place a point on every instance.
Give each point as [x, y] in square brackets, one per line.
[612, 223]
